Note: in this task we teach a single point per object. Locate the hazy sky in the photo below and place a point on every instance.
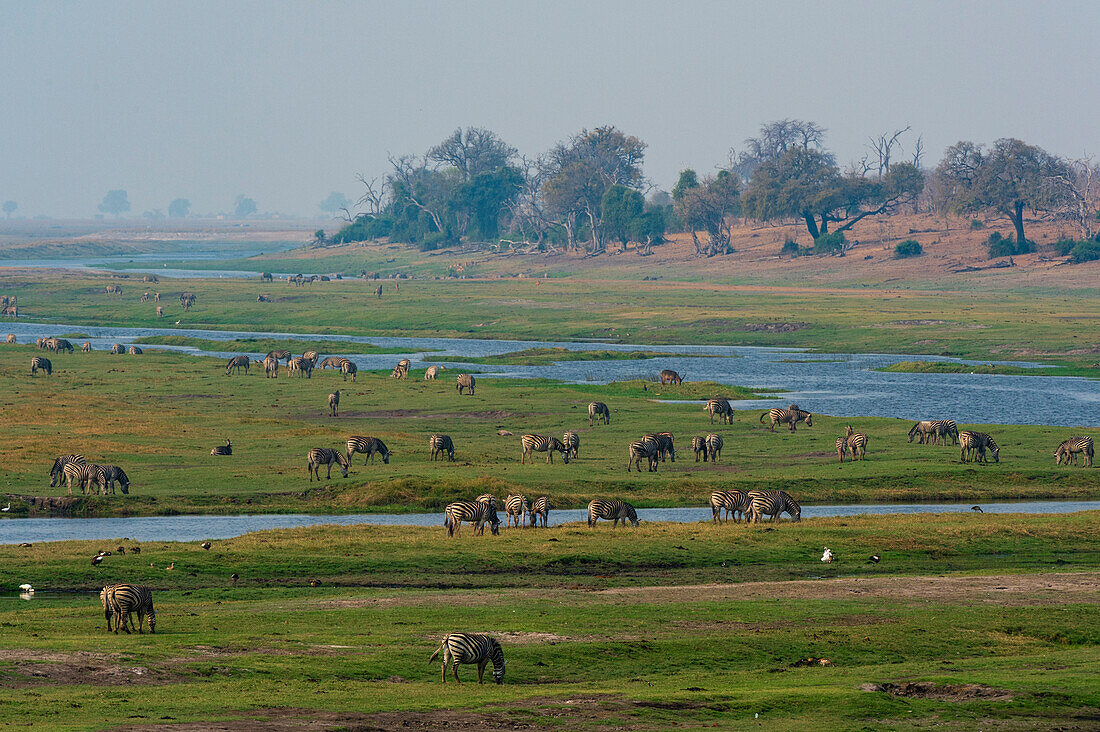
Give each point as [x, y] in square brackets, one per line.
[285, 102]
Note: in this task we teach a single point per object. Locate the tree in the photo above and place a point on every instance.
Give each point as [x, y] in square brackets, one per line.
[775, 139]
[1080, 193]
[319, 238]
[245, 206]
[472, 152]
[334, 203]
[688, 180]
[9, 207]
[115, 203]
[1006, 179]
[620, 207]
[484, 198]
[179, 208]
[708, 206]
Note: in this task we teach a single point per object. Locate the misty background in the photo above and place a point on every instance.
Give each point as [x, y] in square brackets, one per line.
[286, 102]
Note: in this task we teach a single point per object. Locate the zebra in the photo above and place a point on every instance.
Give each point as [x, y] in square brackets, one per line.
[465, 381]
[972, 445]
[134, 351]
[772, 503]
[57, 473]
[598, 411]
[946, 428]
[404, 364]
[126, 599]
[117, 349]
[477, 513]
[476, 648]
[841, 448]
[1068, 451]
[440, 445]
[613, 510]
[299, 365]
[664, 444]
[542, 443]
[108, 604]
[721, 408]
[226, 449]
[86, 347]
[572, 444]
[311, 356]
[237, 362]
[397, 373]
[515, 507]
[347, 367]
[857, 443]
[319, 456]
[732, 502]
[37, 362]
[699, 447]
[280, 355]
[369, 445]
[57, 345]
[541, 507]
[488, 498]
[790, 417]
[923, 431]
[111, 475]
[645, 448]
[714, 447]
[160, 309]
[334, 403]
[266, 277]
[145, 297]
[432, 372]
[332, 362]
[668, 376]
[10, 338]
[84, 474]
[271, 368]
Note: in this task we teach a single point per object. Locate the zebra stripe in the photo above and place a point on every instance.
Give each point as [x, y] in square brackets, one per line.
[541, 507]
[57, 470]
[112, 474]
[37, 362]
[721, 408]
[300, 366]
[84, 474]
[645, 448]
[237, 362]
[465, 381]
[326, 456]
[857, 443]
[311, 356]
[432, 372]
[488, 498]
[699, 447]
[334, 403]
[280, 355]
[348, 368]
[841, 448]
[1069, 450]
[474, 648]
[477, 513]
[598, 411]
[732, 502]
[789, 416]
[972, 446]
[126, 599]
[226, 449]
[945, 428]
[86, 347]
[773, 503]
[572, 444]
[134, 351]
[542, 443]
[664, 444]
[368, 445]
[271, 367]
[714, 447]
[440, 445]
[108, 604]
[613, 510]
[515, 508]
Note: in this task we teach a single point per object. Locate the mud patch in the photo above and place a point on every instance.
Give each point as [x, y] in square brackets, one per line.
[773, 327]
[34, 668]
[946, 692]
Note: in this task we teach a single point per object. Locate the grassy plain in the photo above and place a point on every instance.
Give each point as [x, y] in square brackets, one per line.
[598, 628]
[940, 367]
[158, 415]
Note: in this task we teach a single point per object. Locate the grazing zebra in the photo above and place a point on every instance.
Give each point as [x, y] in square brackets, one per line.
[732, 502]
[668, 376]
[432, 372]
[598, 411]
[266, 277]
[1069, 449]
[841, 448]
[84, 474]
[645, 448]
[334, 403]
[280, 355]
[299, 365]
[112, 474]
[347, 367]
[772, 503]
[57, 473]
[319, 456]
[40, 343]
[721, 408]
[541, 507]
[86, 347]
[440, 445]
[477, 513]
[488, 498]
[134, 351]
[10, 338]
[126, 599]
[404, 364]
[37, 362]
[542, 443]
[397, 373]
[145, 297]
[613, 510]
[311, 356]
[57, 345]
[946, 428]
[369, 445]
[237, 362]
[972, 445]
[332, 362]
[714, 447]
[572, 444]
[160, 311]
[923, 431]
[271, 368]
[664, 444]
[790, 417]
[515, 508]
[476, 648]
[699, 447]
[465, 381]
[857, 443]
[108, 604]
[226, 449]
[118, 349]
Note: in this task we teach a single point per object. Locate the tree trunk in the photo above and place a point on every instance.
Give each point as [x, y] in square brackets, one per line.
[1017, 217]
[811, 225]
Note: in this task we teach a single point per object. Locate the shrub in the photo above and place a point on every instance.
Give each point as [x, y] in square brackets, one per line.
[1086, 251]
[437, 240]
[789, 247]
[908, 248]
[364, 228]
[830, 243]
[1063, 247]
[1006, 246]
[976, 224]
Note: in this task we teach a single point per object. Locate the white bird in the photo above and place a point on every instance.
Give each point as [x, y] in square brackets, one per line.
[6, 508]
[827, 556]
[177, 322]
[26, 587]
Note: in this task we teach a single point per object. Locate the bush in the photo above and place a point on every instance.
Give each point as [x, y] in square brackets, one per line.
[908, 248]
[364, 228]
[830, 243]
[1063, 247]
[789, 247]
[1006, 246]
[1086, 251]
[437, 240]
[976, 224]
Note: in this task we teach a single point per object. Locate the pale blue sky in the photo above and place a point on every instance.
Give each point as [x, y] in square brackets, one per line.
[287, 101]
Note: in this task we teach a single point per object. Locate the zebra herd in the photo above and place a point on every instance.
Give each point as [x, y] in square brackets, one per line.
[74, 468]
[121, 601]
[520, 512]
[751, 505]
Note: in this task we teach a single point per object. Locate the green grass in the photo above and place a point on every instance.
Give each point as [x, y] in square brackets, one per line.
[542, 356]
[266, 345]
[158, 415]
[939, 367]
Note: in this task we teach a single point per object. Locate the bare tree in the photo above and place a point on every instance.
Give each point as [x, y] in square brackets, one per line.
[473, 151]
[883, 147]
[411, 171]
[373, 200]
[1080, 188]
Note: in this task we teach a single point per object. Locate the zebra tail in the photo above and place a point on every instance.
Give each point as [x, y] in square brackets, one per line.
[437, 650]
[765, 414]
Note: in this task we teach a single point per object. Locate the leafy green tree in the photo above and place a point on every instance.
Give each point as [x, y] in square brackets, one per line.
[179, 208]
[688, 180]
[620, 208]
[244, 206]
[334, 203]
[473, 152]
[708, 206]
[9, 208]
[115, 203]
[484, 199]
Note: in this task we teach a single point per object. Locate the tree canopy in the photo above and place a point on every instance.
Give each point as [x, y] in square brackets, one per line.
[179, 208]
[115, 203]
